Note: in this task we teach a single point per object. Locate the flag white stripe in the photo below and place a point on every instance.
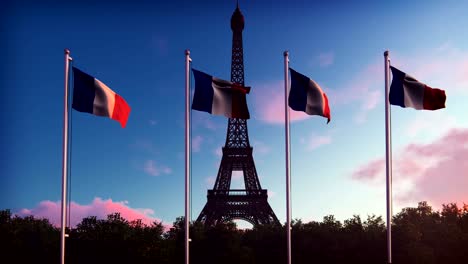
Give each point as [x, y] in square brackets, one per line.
[315, 100]
[104, 99]
[413, 93]
[222, 100]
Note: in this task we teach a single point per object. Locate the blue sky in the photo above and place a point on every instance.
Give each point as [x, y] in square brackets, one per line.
[137, 49]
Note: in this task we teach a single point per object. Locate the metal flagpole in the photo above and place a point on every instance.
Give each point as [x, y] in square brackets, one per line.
[187, 153]
[64, 161]
[288, 161]
[388, 145]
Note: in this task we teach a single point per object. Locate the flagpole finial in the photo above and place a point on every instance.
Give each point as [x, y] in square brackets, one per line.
[286, 53]
[386, 53]
[67, 51]
[187, 52]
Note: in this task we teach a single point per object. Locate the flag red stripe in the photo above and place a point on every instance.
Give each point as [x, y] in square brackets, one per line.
[239, 106]
[326, 108]
[121, 110]
[434, 98]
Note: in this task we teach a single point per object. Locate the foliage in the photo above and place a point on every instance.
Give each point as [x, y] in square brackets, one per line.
[420, 235]
[26, 240]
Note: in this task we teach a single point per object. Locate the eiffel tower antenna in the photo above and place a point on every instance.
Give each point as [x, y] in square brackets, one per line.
[226, 204]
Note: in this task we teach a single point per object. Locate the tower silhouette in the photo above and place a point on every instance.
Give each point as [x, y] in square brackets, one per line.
[225, 204]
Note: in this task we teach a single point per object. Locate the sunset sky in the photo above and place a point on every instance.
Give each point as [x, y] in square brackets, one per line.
[137, 49]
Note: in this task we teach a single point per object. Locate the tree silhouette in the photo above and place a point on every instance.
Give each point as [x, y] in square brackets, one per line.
[420, 235]
[27, 239]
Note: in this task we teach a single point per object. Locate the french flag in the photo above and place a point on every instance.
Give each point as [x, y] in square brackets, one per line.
[406, 91]
[307, 96]
[219, 97]
[92, 96]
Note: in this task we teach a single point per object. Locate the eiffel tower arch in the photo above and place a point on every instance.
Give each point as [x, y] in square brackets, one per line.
[249, 204]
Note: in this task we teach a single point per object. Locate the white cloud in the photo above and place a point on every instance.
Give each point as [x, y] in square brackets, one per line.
[315, 141]
[196, 143]
[210, 181]
[145, 145]
[438, 124]
[260, 147]
[218, 152]
[326, 59]
[152, 169]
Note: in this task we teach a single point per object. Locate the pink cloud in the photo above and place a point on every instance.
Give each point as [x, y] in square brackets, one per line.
[196, 143]
[237, 175]
[446, 67]
[369, 171]
[463, 73]
[326, 59]
[271, 194]
[436, 172]
[316, 142]
[270, 104]
[358, 88]
[362, 90]
[373, 98]
[99, 208]
[152, 169]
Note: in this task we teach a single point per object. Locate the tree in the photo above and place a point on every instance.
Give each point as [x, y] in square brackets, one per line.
[37, 237]
[420, 235]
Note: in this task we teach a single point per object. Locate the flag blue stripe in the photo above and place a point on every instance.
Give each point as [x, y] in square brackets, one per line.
[203, 97]
[83, 91]
[298, 94]
[397, 94]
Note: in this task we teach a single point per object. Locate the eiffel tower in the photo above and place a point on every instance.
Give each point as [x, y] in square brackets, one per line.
[225, 204]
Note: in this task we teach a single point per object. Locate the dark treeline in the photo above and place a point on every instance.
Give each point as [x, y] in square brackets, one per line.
[420, 235]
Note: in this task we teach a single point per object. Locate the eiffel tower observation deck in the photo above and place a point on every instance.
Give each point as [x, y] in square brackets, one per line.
[226, 204]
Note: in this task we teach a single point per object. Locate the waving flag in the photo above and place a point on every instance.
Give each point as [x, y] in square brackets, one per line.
[307, 96]
[219, 97]
[92, 96]
[406, 91]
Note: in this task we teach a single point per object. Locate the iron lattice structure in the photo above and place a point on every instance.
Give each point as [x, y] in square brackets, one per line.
[225, 204]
